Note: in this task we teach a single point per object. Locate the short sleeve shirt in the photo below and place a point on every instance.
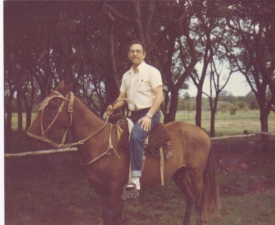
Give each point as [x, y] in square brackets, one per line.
[139, 86]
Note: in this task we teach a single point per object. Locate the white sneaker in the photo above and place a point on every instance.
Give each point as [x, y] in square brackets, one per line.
[134, 183]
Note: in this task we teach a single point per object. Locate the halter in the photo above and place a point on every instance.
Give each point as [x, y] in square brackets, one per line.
[70, 99]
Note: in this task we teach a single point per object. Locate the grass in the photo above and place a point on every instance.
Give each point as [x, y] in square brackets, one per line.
[53, 190]
[243, 117]
[226, 124]
[249, 209]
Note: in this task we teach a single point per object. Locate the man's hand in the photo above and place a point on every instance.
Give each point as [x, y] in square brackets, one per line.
[110, 110]
[145, 123]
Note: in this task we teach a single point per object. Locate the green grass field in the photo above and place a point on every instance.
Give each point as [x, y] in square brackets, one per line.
[225, 124]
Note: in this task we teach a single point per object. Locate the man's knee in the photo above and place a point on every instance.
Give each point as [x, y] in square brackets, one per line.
[138, 134]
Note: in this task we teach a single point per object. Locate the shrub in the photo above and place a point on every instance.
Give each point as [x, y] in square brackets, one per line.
[233, 109]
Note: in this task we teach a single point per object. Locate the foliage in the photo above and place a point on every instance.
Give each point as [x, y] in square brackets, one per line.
[233, 109]
[86, 42]
[224, 104]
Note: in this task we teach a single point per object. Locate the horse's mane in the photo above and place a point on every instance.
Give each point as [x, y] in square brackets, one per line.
[89, 108]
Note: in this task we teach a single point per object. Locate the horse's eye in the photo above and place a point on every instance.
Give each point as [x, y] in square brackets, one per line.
[54, 103]
[52, 106]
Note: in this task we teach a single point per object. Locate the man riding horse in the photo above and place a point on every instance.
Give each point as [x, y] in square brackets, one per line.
[142, 84]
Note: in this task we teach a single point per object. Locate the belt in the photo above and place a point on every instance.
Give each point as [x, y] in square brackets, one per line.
[142, 110]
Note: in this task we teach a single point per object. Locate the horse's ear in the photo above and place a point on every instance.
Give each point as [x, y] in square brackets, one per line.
[60, 85]
[63, 88]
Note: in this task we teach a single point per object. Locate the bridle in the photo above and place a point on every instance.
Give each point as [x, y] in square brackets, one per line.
[70, 99]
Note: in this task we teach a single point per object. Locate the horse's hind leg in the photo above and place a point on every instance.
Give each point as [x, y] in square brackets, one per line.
[181, 180]
[197, 187]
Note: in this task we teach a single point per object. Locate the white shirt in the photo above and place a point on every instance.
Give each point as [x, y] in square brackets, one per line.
[139, 86]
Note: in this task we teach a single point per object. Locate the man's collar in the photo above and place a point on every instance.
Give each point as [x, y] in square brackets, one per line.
[139, 68]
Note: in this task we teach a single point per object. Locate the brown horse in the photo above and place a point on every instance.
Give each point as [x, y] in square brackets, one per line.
[107, 166]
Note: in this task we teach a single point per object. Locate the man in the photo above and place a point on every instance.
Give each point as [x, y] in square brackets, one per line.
[142, 84]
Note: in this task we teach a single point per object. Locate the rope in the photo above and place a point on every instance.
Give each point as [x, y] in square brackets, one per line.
[41, 109]
[107, 152]
[70, 110]
[128, 101]
[161, 165]
[80, 142]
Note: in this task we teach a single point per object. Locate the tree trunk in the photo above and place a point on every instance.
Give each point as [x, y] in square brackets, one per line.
[19, 112]
[212, 123]
[263, 119]
[8, 121]
[111, 76]
[198, 107]
[171, 115]
[29, 105]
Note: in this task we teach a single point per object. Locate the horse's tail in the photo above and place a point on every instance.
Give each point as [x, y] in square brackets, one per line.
[210, 196]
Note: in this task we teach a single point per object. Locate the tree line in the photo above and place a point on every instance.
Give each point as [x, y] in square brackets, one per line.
[85, 42]
[227, 103]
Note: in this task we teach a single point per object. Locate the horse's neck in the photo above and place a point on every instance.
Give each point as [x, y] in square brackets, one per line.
[85, 122]
[92, 129]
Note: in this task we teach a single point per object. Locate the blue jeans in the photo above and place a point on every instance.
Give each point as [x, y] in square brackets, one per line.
[137, 139]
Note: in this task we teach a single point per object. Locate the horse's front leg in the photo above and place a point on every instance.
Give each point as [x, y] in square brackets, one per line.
[111, 206]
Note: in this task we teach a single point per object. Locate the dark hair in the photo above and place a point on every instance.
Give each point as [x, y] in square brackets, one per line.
[139, 43]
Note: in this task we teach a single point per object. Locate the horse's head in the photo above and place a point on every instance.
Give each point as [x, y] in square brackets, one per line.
[54, 116]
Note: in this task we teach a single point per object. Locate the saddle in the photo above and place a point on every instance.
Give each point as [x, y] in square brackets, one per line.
[157, 143]
[159, 137]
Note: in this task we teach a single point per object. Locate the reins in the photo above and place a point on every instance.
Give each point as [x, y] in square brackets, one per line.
[110, 147]
[70, 99]
[70, 110]
[128, 101]
[107, 152]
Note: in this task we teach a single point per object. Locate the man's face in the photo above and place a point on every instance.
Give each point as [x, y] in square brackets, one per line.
[136, 54]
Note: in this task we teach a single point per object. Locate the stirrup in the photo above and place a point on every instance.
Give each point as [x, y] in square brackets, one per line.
[129, 193]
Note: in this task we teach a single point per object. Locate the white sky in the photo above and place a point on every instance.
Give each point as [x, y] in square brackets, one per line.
[237, 85]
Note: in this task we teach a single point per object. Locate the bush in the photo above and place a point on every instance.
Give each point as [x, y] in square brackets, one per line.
[233, 109]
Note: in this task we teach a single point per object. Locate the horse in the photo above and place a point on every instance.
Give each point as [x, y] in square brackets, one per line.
[191, 166]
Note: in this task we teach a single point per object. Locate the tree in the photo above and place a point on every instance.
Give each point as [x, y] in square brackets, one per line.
[253, 55]
[215, 90]
[163, 34]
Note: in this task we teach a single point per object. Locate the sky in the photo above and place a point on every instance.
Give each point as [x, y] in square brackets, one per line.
[237, 85]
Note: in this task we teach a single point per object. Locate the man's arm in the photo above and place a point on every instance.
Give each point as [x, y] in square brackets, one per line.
[157, 101]
[146, 120]
[110, 109]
